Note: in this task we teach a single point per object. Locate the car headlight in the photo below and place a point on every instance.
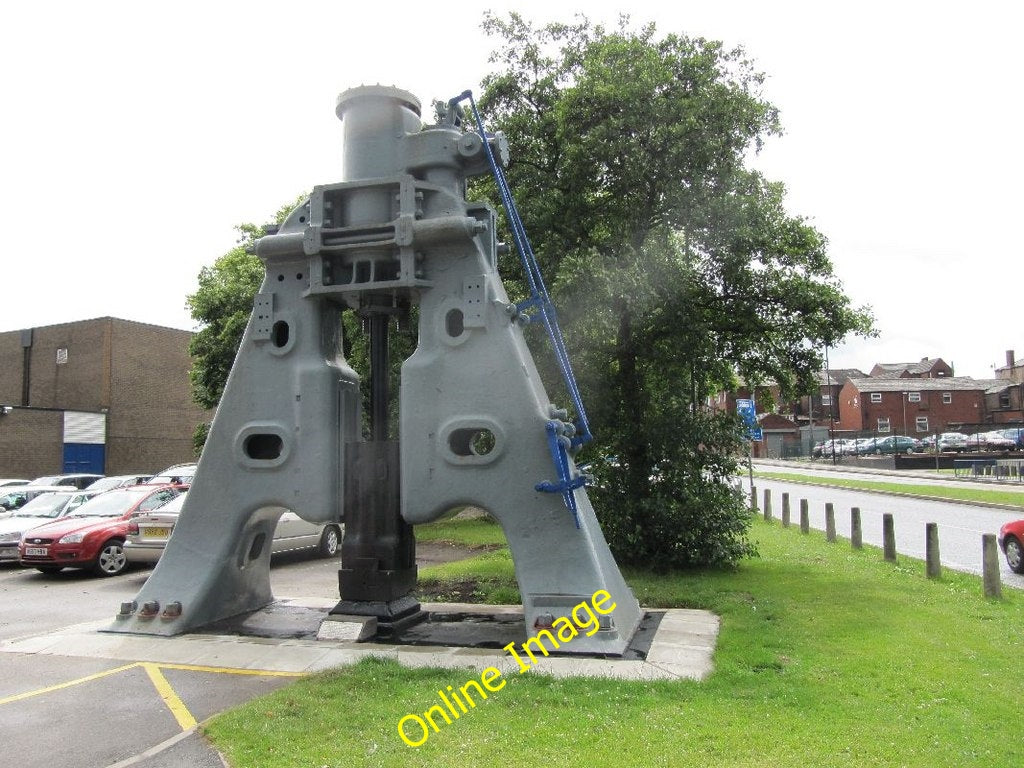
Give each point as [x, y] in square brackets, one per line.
[72, 538]
[8, 537]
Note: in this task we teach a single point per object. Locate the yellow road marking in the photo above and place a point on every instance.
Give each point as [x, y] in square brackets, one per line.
[232, 670]
[79, 681]
[171, 699]
[163, 687]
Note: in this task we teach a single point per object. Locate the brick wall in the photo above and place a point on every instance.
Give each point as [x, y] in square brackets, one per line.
[152, 415]
[30, 442]
[81, 383]
[10, 369]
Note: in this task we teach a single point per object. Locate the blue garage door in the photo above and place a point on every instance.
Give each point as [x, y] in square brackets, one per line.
[84, 457]
[85, 437]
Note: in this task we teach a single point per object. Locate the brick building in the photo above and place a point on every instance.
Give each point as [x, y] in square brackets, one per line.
[913, 406]
[103, 395]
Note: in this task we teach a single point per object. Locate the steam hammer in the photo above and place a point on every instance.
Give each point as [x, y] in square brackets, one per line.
[394, 232]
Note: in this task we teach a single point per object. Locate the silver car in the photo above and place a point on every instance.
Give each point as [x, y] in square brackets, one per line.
[148, 534]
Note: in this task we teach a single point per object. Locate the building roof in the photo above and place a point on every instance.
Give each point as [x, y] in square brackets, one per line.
[774, 422]
[895, 369]
[947, 384]
[838, 376]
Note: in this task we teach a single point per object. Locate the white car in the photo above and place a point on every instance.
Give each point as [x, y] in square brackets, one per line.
[148, 534]
[16, 496]
[44, 508]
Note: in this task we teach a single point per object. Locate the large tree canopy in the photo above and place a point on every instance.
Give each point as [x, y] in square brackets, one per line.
[676, 265]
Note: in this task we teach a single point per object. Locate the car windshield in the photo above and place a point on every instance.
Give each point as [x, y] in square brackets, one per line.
[174, 505]
[110, 504]
[44, 505]
[48, 480]
[105, 483]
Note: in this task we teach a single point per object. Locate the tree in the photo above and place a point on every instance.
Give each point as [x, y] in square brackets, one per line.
[676, 266]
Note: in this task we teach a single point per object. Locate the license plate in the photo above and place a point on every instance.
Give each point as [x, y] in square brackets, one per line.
[155, 533]
[37, 551]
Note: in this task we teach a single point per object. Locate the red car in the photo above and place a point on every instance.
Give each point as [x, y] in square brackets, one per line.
[1011, 541]
[93, 535]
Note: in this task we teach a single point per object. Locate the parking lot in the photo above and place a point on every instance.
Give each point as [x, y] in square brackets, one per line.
[87, 711]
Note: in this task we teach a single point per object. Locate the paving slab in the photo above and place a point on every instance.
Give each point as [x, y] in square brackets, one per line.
[682, 646]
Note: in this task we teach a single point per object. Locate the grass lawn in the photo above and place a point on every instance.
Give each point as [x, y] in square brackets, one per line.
[942, 491]
[827, 657]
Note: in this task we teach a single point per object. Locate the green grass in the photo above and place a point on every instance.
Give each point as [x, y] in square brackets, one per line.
[827, 656]
[938, 491]
[474, 533]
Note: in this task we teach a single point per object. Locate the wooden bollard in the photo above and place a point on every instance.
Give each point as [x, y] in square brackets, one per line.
[990, 566]
[888, 538]
[753, 498]
[933, 566]
[785, 510]
[830, 522]
[805, 517]
[856, 532]
[767, 504]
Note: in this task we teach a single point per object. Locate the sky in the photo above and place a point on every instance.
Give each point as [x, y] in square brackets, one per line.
[138, 135]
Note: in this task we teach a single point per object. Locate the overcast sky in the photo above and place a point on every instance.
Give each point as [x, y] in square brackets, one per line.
[137, 135]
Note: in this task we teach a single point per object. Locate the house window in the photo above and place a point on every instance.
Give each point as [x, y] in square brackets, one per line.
[922, 423]
[913, 397]
[883, 424]
[876, 397]
[947, 398]
[1004, 399]
[826, 399]
[62, 355]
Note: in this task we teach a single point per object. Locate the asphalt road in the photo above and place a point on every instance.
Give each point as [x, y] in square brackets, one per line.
[960, 525]
[98, 713]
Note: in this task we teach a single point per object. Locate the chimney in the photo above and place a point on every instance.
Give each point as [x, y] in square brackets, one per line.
[1009, 358]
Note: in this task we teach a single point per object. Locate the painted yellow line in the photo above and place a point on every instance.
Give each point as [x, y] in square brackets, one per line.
[232, 670]
[69, 684]
[171, 699]
[167, 693]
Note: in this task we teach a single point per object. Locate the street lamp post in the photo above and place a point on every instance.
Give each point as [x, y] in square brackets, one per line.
[904, 413]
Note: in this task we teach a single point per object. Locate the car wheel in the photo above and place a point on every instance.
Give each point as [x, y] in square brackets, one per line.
[1014, 554]
[330, 541]
[111, 560]
[878, 451]
[49, 568]
[909, 451]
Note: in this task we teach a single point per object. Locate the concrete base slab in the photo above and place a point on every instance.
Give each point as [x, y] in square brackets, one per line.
[347, 627]
[681, 647]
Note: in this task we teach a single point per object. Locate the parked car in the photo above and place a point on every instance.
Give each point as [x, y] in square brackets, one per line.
[148, 534]
[1011, 541]
[79, 480]
[1017, 435]
[178, 474]
[93, 535]
[994, 440]
[948, 441]
[15, 497]
[118, 481]
[889, 445]
[44, 508]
